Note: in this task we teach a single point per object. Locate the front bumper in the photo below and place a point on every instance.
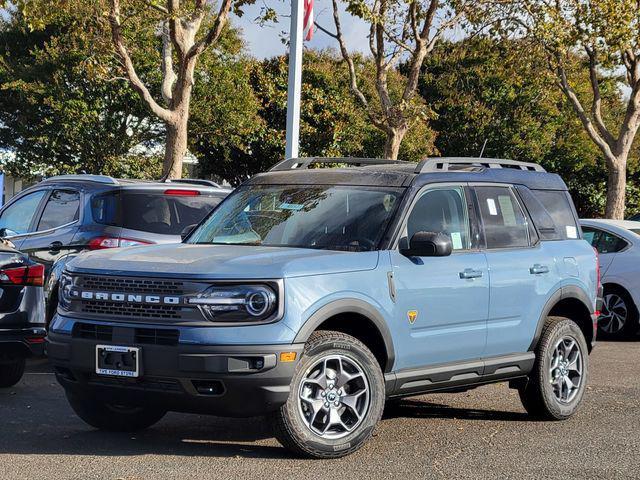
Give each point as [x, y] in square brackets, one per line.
[22, 342]
[229, 380]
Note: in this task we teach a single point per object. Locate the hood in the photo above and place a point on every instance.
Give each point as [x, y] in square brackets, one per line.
[221, 261]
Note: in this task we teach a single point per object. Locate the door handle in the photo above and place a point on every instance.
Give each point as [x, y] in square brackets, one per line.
[537, 269]
[469, 273]
[55, 246]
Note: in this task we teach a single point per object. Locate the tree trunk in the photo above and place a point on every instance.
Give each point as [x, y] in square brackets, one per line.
[176, 147]
[616, 187]
[394, 139]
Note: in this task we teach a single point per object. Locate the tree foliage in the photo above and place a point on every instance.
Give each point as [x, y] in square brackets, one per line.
[57, 114]
[332, 124]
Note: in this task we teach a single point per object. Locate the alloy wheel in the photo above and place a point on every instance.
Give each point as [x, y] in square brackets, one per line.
[566, 371]
[614, 314]
[334, 396]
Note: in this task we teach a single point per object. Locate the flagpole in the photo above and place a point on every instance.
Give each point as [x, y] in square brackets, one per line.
[295, 78]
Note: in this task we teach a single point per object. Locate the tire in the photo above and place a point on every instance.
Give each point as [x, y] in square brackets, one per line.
[11, 372]
[329, 358]
[113, 418]
[541, 396]
[619, 317]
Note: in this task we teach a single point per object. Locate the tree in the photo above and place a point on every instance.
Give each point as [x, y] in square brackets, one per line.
[484, 89]
[332, 124]
[187, 29]
[56, 114]
[605, 34]
[399, 31]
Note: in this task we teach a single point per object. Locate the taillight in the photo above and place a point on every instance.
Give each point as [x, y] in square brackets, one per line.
[31, 275]
[182, 192]
[100, 243]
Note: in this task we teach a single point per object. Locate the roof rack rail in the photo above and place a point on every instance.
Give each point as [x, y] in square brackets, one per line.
[85, 177]
[305, 163]
[195, 181]
[445, 164]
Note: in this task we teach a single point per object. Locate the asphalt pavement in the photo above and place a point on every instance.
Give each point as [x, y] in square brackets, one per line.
[483, 433]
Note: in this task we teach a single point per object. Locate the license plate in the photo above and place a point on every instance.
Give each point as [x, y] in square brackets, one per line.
[117, 361]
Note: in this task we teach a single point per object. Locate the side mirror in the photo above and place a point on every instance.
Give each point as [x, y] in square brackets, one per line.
[428, 244]
[5, 232]
[186, 231]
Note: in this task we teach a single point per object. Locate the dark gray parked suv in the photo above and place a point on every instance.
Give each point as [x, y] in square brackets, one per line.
[59, 217]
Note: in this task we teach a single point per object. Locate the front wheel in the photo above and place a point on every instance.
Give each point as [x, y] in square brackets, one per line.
[111, 417]
[337, 398]
[555, 388]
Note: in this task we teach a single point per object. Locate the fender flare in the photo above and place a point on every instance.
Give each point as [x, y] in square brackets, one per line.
[350, 305]
[569, 291]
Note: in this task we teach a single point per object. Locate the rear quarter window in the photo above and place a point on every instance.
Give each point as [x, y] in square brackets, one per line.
[557, 203]
[557, 221]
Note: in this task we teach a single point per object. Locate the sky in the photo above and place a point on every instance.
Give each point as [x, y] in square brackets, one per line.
[266, 41]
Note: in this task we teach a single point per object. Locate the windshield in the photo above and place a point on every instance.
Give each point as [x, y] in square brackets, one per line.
[324, 217]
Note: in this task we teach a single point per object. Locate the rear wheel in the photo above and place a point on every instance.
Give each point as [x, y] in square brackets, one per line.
[111, 417]
[555, 388]
[336, 400]
[619, 317]
[11, 371]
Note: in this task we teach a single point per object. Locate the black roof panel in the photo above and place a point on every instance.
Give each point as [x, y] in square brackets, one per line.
[397, 175]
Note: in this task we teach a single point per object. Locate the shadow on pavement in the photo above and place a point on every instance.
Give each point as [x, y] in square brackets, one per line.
[410, 408]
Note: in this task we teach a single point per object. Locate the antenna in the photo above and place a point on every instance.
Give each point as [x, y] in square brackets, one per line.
[483, 147]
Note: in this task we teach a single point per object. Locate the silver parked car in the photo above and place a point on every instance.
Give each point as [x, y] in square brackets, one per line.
[618, 244]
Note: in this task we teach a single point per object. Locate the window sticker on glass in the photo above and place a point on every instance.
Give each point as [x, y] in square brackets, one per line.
[572, 232]
[506, 207]
[456, 240]
[491, 203]
[291, 206]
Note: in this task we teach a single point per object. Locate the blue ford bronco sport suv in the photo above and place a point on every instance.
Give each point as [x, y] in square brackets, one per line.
[313, 295]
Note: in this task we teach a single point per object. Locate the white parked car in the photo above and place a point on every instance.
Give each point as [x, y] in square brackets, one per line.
[618, 243]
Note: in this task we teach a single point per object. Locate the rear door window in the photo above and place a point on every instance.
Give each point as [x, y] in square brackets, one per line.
[153, 212]
[62, 208]
[17, 217]
[504, 222]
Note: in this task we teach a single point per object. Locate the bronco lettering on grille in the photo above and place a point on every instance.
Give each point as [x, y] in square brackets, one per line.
[124, 298]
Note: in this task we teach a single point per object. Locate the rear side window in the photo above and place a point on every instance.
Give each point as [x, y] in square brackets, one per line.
[602, 241]
[558, 204]
[505, 225]
[63, 207]
[153, 212]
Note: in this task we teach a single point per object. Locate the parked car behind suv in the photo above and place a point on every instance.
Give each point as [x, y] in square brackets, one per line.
[62, 216]
[618, 243]
[312, 295]
[22, 330]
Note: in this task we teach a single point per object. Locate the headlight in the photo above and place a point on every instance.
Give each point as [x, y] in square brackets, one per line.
[64, 292]
[237, 303]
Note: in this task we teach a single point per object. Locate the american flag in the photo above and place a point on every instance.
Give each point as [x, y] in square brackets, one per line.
[308, 19]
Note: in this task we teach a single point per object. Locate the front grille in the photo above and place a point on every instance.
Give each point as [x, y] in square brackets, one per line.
[90, 331]
[131, 304]
[155, 336]
[139, 285]
[131, 310]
